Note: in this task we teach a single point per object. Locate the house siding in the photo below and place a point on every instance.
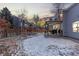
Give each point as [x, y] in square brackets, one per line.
[17, 22]
[70, 16]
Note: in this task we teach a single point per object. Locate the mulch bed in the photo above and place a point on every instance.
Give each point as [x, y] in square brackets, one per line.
[8, 47]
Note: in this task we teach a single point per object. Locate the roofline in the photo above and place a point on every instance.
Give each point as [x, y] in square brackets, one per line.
[71, 6]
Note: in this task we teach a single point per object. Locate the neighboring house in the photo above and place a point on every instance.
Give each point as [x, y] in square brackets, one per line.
[54, 23]
[71, 22]
[17, 22]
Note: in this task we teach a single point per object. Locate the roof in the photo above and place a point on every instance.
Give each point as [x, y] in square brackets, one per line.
[70, 7]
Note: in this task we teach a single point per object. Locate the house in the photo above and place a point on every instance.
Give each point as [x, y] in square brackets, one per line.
[54, 24]
[16, 21]
[71, 21]
[19, 22]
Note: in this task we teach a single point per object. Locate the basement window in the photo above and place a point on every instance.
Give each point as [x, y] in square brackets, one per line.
[76, 26]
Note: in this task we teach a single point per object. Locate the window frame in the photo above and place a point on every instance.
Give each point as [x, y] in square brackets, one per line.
[76, 27]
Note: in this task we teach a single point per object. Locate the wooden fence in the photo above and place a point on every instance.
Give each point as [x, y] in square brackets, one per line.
[19, 31]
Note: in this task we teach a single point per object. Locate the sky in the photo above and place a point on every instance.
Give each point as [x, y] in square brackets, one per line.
[42, 9]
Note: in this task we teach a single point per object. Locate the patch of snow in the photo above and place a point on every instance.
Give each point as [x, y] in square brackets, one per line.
[41, 46]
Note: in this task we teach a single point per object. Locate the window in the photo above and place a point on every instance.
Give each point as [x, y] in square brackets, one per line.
[76, 26]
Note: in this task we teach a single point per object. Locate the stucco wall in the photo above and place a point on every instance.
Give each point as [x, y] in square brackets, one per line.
[71, 15]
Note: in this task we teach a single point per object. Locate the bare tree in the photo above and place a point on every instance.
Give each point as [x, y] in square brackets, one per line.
[23, 14]
[57, 9]
[36, 18]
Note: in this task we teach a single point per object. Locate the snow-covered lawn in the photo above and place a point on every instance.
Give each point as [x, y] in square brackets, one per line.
[41, 46]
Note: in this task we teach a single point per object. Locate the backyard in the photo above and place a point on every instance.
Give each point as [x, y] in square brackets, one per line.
[43, 31]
